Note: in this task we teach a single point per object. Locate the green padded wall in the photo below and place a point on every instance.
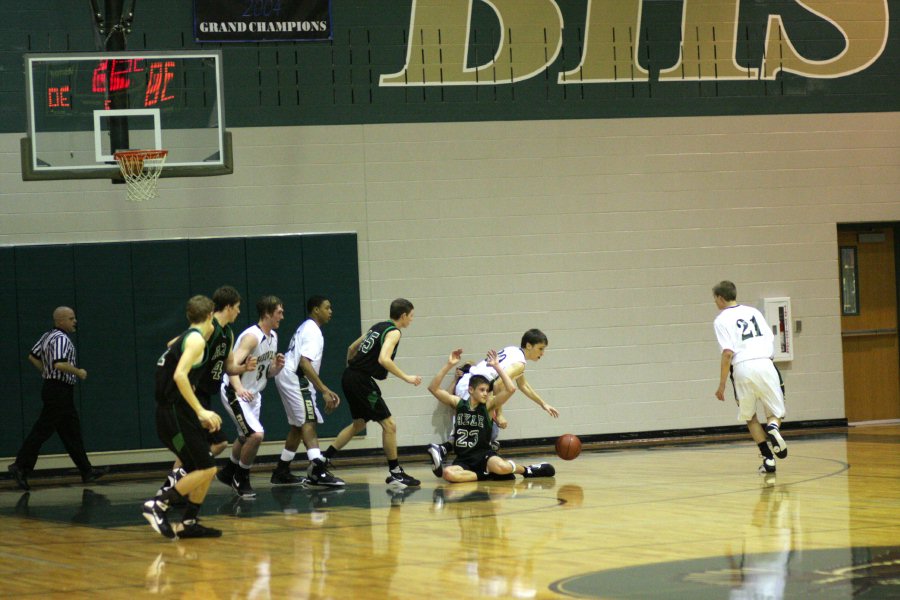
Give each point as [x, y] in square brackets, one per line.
[330, 269]
[104, 297]
[11, 425]
[129, 299]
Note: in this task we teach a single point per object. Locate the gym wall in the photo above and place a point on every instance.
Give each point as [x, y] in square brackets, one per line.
[601, 213]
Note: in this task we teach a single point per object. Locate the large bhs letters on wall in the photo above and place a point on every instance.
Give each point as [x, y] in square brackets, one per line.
[262, 20]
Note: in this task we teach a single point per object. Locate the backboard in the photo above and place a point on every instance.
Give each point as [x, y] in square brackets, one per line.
[83, 107]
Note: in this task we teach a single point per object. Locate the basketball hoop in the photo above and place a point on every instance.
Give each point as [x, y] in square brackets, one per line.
[141, 169]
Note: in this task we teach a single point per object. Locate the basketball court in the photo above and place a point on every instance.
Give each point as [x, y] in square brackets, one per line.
[677, 519]
[665, 520]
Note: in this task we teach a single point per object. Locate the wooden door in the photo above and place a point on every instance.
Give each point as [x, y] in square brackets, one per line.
[869, 289]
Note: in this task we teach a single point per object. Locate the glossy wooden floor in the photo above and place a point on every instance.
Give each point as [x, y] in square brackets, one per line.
[668, 521]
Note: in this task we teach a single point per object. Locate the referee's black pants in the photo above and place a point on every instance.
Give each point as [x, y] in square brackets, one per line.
[58, 415]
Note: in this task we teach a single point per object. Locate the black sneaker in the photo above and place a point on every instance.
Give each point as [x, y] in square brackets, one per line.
[243, 488]
[317, 474]
[540, 470]
[767, 466]
[286, 478]
[226, 473]
[503, 477]
[779, 446]
[401, 480]
[94, 474]
[18, 474]
[193, 529]
[437, 454]
[495, 445]
[155, 513]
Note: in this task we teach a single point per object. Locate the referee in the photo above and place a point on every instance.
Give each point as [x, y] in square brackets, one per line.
[54, 356]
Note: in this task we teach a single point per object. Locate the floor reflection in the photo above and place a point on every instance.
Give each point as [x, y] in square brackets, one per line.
[485, 542]
[760, 566]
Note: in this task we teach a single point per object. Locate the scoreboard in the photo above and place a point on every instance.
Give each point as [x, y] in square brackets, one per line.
[148, 83]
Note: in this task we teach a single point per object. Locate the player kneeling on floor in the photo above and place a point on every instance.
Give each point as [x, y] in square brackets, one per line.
[475, 461]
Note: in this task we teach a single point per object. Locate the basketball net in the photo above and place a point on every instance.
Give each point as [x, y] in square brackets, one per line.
[141, 169]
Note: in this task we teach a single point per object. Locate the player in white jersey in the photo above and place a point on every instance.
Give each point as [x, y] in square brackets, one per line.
[747, 345]
[260, 342]
[297, 384]
[509, 357]
[512, 360]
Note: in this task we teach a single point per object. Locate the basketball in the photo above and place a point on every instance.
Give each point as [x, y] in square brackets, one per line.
[568, 446]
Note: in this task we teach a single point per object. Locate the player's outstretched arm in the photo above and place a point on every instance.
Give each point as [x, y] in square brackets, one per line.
[435, 386]
[536, 398]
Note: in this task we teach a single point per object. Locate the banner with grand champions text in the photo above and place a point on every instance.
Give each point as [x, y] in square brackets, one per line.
[262, 20]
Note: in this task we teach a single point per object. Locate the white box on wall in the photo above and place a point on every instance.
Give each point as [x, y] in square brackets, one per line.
[778, 315]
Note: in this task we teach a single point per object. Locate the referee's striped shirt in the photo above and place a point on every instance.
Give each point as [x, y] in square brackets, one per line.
[53, 347]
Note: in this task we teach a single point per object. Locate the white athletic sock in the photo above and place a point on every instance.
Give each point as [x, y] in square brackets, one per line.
[243, 466]
[313, 454]
[287, 455]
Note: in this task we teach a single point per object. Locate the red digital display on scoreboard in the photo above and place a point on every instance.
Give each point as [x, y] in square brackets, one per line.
[147, 82]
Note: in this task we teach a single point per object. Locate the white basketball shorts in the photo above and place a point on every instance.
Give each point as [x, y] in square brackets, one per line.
[757, 380]
[299, 399]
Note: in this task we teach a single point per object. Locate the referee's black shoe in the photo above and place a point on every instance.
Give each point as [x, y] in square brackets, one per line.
[19, 475]
[94, 474]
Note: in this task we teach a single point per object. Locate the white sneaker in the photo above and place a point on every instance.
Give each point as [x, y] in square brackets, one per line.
[767, 466]
[779, 446]
[436, 452]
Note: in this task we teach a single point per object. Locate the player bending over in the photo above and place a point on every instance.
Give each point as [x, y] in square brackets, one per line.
[475, 460]
[512, 360]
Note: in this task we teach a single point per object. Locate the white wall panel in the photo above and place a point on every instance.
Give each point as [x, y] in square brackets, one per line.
[607, 234]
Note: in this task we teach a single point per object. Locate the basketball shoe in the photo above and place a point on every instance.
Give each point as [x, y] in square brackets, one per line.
[285, 477]
[540, 470]
[399, 479]
[317, 474]
[193, 529]
[155, 513]
[437, 454]
[779, 446]
[767, 466]
[243, 488]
